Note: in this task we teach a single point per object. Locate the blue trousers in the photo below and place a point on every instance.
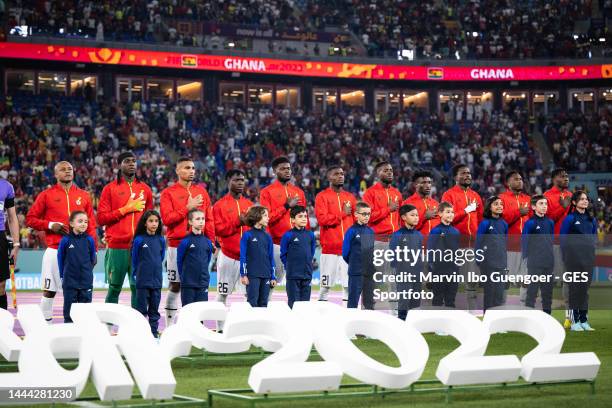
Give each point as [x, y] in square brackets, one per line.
[258, 291]
[298, 290]
[147, 300]
[355, 287]
[404, 305]
[546, 289]
[74, 296]
[494, 292]
[192, 295]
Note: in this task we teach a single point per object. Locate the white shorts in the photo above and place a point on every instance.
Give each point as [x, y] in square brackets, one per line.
[228, 275]
[50, 276]
[517, 266]
[172, 265]
[333, 270]
[279, 271]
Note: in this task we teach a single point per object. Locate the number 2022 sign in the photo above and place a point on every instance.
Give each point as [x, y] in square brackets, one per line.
[290, 335]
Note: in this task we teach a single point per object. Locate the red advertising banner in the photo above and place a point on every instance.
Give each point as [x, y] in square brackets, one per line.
[271, 66]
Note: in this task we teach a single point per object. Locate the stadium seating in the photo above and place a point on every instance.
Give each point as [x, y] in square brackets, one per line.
[457, 29]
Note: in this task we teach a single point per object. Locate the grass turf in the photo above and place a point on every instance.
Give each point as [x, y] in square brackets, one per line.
[233, 373]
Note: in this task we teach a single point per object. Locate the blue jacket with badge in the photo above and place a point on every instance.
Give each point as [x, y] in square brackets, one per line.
[492, 240]
[148, 253]
[297, 249]
[76, 257]
[193, 257]
[358, 250]
[257, 254]
[537, 242]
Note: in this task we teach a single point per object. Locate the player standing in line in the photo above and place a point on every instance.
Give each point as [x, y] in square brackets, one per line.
[257, 258]
[492, 240]
[193, 259]
[297, 252]
[7, 209]
[230, 225]
[578, 239]
[468, 209]
[175, 202]
[410, 238]
[357, 251]
[384, 201]
[120, 208]
[279, 197]
[559, 200]
[426, 206]
[76, 258]
[517, 211]
[50, 213]
[537, 249]
[148, 251]
[444, 237]
[334, 209]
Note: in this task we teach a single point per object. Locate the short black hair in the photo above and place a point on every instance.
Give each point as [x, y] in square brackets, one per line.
[231, 173]
[443, 206]
[458, 167]
[295, 210]
[333, 167]
[380, 164]
[421, 173]
[536, 198]
[558, 171]
[183, 159]
[406, 208]
[512, 173]
[280, 160]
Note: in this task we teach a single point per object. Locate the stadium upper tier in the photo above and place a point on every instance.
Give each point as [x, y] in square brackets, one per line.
[402, 29]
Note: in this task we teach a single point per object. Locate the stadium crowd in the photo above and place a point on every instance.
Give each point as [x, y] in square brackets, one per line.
[469, 29]
[224, 137]
[466, 29]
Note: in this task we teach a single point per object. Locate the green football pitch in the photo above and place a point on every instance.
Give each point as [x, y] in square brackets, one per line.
[195, 380]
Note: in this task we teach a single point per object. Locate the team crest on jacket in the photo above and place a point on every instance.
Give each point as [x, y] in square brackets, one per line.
[78, 201]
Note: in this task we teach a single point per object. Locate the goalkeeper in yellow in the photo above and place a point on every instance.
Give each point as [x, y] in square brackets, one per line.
[122, 203]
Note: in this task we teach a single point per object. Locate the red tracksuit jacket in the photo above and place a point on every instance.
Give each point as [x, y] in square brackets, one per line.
[332, 220]
[512, 216]
[422, 205]
[382, 221]
[467, 224]
[227, 224]
[55, 205]
[555, 211]
[274, 197]
[120, 228]
[173, 207]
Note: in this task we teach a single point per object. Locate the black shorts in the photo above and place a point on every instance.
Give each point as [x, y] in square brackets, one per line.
[5, 273]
